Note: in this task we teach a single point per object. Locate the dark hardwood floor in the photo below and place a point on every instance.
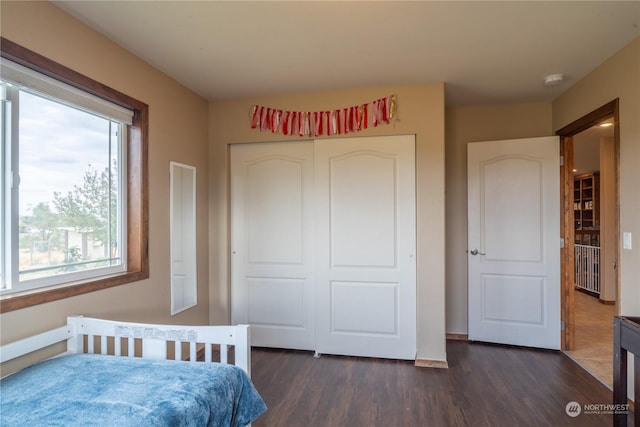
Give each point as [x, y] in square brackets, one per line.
[485, 385]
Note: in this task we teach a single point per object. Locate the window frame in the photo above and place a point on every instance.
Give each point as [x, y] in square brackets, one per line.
[24, 82]
[137, 214]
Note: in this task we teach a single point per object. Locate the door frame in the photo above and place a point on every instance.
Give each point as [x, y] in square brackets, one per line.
[608, 110]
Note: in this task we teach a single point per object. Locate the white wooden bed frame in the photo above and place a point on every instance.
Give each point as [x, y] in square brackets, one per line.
[154, 340]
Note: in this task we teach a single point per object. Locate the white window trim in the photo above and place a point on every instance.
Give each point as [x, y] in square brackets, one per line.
[23, 78]
[46, 86]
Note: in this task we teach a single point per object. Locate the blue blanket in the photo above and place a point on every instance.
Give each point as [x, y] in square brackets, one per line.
[93, 390]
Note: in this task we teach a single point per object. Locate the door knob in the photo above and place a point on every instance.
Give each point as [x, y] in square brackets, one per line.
[476, 252]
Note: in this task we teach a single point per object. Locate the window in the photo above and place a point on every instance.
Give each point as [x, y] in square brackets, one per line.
[64, 198]
[73, 183]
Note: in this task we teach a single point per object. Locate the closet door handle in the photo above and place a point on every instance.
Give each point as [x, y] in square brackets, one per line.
[476, 252]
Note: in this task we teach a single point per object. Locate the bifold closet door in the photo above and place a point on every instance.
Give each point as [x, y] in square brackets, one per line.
[365, 264]
[272, 243]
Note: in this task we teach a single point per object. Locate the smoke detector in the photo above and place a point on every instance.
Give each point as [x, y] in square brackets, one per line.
[553, 79]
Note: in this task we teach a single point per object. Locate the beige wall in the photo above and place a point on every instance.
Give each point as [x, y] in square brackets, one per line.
[420, 112]
[618, 77]
[178, 130]
[474, 124]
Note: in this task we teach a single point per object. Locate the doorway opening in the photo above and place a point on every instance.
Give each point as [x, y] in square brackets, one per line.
[590, 226]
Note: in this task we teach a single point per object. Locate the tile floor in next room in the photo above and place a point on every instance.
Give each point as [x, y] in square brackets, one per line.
[594, 337]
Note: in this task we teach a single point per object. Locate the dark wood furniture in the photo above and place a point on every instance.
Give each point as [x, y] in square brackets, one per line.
[626, 337]
[586, 201]
[586, 209]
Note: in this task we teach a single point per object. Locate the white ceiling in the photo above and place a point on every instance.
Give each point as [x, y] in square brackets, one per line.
[485, 52]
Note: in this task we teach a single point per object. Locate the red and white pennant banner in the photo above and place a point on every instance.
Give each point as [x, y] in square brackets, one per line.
[318, 123]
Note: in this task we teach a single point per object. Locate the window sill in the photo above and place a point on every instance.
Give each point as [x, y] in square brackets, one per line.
[18, 300]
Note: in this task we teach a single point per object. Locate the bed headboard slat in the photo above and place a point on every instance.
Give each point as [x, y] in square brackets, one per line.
[223, 354]
[178, 350]
[103, 345]
[90, 338]
[193, 353]
[117, 346]
[131, 347]
[207, 352]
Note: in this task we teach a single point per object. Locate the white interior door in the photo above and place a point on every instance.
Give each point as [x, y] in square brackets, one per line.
[514, 242]
[365, 246]
[272, 243]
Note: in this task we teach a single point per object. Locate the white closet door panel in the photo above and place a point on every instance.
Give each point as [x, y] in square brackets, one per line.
[274, 211]
[276, 302]
[352, 242]
[272, 243]
[365, 246]
[378, 300]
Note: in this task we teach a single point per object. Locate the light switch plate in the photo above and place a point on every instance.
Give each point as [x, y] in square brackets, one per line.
[626, 240]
